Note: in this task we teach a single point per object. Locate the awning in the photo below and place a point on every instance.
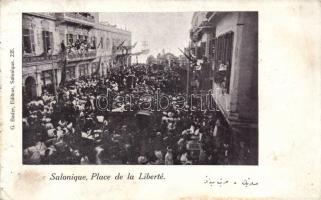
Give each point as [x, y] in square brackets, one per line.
[144, 112]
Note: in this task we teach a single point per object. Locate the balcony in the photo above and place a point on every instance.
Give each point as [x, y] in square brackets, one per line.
[71, 57]
[84, 19]
[88, 17]
[48, 15]
[195, 34]
[42, 58]
[75, 56]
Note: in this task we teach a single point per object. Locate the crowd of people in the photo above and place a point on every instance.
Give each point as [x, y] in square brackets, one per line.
[79, 47]
[115, 120]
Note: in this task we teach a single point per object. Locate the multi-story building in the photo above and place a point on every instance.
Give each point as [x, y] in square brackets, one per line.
[89, 44]
[229, 41]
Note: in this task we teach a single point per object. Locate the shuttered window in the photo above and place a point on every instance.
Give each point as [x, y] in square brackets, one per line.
[70, 39]
[221, 53]
[200, 51]
[47, 41]
[93, 42]
[28, 41]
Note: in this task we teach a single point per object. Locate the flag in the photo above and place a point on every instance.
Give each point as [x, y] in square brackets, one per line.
[63, 55]
[134, 45]
[190, 57]
[63, 72]
[99, 43]
[98, 67]
[127, 48]
[115, 49]
[120, 45]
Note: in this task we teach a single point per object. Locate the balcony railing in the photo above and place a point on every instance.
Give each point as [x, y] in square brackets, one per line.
[43, 58]
[78, 17]
[49, 15]
[81, 56]
[70, 57]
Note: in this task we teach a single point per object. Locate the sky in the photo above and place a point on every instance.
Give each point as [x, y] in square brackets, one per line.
[168, 30]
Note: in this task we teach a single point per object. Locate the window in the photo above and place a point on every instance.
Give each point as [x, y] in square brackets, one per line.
[83, 70]
[62, 37]
[93, 42]
[212, 49]
[70, 39]
[81, 37]
[75, 38]
[70, 73]
[193, 51]
[200, 51]
[107, 43]
[47, 41]
[28, 41]
[221, 51]
[94, 67]
[102, 42]
[46, 77]
[114, 45]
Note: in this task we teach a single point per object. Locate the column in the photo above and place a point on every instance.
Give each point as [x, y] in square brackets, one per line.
[39, 83]
[77, 71]
[58, 76]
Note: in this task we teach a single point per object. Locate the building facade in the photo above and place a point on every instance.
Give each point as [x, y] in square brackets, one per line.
[229, 43]
[91, 48]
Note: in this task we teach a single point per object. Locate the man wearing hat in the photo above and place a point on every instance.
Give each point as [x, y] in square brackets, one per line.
[142, 160]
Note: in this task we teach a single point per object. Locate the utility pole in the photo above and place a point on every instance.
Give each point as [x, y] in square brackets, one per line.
[54, 81]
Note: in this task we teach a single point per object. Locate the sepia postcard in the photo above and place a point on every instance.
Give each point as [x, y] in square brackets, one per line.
[177, 100]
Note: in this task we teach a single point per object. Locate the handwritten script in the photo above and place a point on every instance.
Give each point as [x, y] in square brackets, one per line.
[220, 182]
